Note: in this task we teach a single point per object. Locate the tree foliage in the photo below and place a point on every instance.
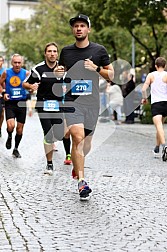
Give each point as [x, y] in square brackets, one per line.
[114, 23]
[28, 37]
[145, 20]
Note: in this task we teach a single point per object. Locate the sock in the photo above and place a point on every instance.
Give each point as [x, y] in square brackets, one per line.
[9, 133]
[17, 140]
[156, 149]
[49, 162]
[67, 144]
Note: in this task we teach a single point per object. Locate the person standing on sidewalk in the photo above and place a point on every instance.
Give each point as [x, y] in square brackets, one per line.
[157, 81]
[2, 69]
[15, 101]
[49, 102]
[115, 101]
[83, 60]
[128, 93]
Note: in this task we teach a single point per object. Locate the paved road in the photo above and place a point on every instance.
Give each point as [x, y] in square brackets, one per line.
[127, 210]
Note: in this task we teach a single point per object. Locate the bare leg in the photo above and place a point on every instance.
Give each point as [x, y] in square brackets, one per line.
[160, 135]
[2, 118]
[87, 144]
[77, 134]
[48, 151]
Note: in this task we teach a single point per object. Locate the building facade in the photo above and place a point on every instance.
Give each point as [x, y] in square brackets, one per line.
[12, 9]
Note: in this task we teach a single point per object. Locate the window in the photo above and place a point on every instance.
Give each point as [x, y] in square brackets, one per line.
[23, 0]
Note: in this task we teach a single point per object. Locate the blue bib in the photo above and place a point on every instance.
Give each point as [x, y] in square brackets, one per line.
[81, 87]
[51, 105]
[14, 84]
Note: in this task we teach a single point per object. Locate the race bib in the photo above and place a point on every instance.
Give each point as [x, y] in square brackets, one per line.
[16, 93]
[51, 105]
[81, 87]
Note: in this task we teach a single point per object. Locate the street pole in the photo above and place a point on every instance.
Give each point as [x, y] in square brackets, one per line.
[133, 53]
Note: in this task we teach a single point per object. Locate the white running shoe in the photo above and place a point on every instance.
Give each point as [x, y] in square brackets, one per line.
[49, 169]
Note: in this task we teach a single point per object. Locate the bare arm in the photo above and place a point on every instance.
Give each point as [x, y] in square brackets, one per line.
[3, 78]
[2, 83]
[30, 87]
[165, 78]
[147, 83]
[107, 72]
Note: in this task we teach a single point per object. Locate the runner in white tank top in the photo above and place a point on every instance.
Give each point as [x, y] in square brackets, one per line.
[158, 87]
[157, 81]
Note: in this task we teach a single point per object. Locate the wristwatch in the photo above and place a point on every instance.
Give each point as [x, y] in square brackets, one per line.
[98, 69]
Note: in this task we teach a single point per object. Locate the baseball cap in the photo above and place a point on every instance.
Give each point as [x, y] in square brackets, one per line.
[80, 17]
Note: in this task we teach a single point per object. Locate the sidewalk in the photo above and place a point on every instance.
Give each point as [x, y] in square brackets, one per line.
[127, 210]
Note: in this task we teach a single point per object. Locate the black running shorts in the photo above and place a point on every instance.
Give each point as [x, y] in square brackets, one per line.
[15, 110]
[52, 124]
[159, 108]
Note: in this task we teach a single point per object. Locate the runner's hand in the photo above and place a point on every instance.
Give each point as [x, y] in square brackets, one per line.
[34, 87]
[6, 97]
[59, 71]
[144, 101]
[88, 64]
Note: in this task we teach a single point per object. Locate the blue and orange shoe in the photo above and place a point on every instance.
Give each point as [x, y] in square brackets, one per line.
[84, 190]
[68, 160]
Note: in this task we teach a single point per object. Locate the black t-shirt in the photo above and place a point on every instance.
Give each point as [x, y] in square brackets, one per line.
[73, 58]
[49, 88]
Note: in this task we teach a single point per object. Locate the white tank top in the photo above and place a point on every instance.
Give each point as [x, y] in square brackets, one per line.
[158, 88]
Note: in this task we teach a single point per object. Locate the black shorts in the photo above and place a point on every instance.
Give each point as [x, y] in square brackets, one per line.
[2, 102]
[1, 106]
[52, 124]
[15, 110]
[159, 108]
[87, 116]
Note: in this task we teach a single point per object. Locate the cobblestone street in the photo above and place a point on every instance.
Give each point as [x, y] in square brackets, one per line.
[126, 212]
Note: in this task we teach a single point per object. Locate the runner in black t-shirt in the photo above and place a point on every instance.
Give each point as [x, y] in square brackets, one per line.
[49, 102]
[83, 61]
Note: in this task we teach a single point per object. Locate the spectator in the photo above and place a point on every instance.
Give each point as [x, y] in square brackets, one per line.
[128, 94]
[115, 101]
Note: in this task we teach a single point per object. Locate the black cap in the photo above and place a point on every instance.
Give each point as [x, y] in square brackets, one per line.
[80, 17]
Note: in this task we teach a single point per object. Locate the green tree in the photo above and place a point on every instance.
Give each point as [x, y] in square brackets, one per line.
[28, 37]
[113, 25]
[145, 20]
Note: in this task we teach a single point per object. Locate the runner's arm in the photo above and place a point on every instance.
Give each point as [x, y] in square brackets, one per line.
[31, 87]
[146, 85]
[3, 78]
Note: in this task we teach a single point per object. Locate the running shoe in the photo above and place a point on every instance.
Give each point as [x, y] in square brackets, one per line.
[156, 154]
[164, 153]
[84, 189]
[74, 174]
[9, 143]
[49, 169]
[68, 160]
[16, 153]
